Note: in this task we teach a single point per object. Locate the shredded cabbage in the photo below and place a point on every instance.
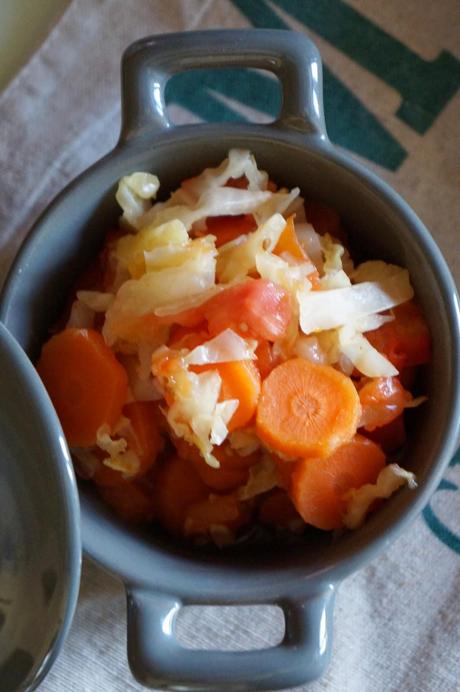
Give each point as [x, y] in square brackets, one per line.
[138, 297]
[226, 346]
[334, 275]
[263, 476]
[310, 241]
[120, 458]
[134, 194]
[374, 270]
[309, 347]
[240, 162]
[360, 500]
[130, 250]
[341, 306]
[277, 270]
[225, 201]
[363, 355]
[205, 195]
[195, 412]
[244, 441]
[96, 300]
[81, 316]
[238, 258]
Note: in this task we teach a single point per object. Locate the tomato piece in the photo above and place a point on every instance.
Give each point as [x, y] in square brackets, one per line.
[256, 307]
[382, 400]
[405, 341]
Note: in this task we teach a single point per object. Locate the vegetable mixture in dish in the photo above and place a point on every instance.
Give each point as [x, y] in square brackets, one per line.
[224, 363]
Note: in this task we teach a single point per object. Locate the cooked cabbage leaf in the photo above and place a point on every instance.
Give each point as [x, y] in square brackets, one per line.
[359, 500]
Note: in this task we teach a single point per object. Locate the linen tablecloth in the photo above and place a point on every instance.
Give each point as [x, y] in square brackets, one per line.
[391, 77]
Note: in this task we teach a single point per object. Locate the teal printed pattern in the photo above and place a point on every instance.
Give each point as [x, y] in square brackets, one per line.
[201, 91]
[349, 123]
[440, 530]
[425, 87]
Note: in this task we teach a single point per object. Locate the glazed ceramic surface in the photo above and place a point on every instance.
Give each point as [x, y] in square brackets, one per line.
[160, 574]
[40, 547]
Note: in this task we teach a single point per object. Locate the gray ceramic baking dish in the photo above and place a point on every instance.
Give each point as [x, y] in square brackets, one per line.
[160, 575]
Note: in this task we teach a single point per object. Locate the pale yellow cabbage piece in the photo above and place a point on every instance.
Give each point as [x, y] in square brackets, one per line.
[363, 355]
[244, 441]
[119, 458]
[195, 413]
[329, 309]
[238, 258]
[333, 272]
[81, 316]
[97, 301]
[223, 348]
[134, 194]
[130, 249]
[263, 477]
[290, 276]
[359, 500]
[139, 297]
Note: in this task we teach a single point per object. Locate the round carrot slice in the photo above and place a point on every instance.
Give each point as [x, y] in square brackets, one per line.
[177, 486]
[86, 383]
[318, 485]
[306, 409]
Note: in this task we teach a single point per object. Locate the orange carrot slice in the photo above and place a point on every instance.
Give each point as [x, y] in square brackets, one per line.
[233, 470]
[240, 380]
[177, 486]
[229, 476]
[146, 440]
[288, 242]
[306, 409]
[86, 383]
[216, 511]
[318, 485]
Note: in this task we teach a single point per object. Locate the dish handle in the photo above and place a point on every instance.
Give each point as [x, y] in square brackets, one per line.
[157, 659]
[148, 64]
